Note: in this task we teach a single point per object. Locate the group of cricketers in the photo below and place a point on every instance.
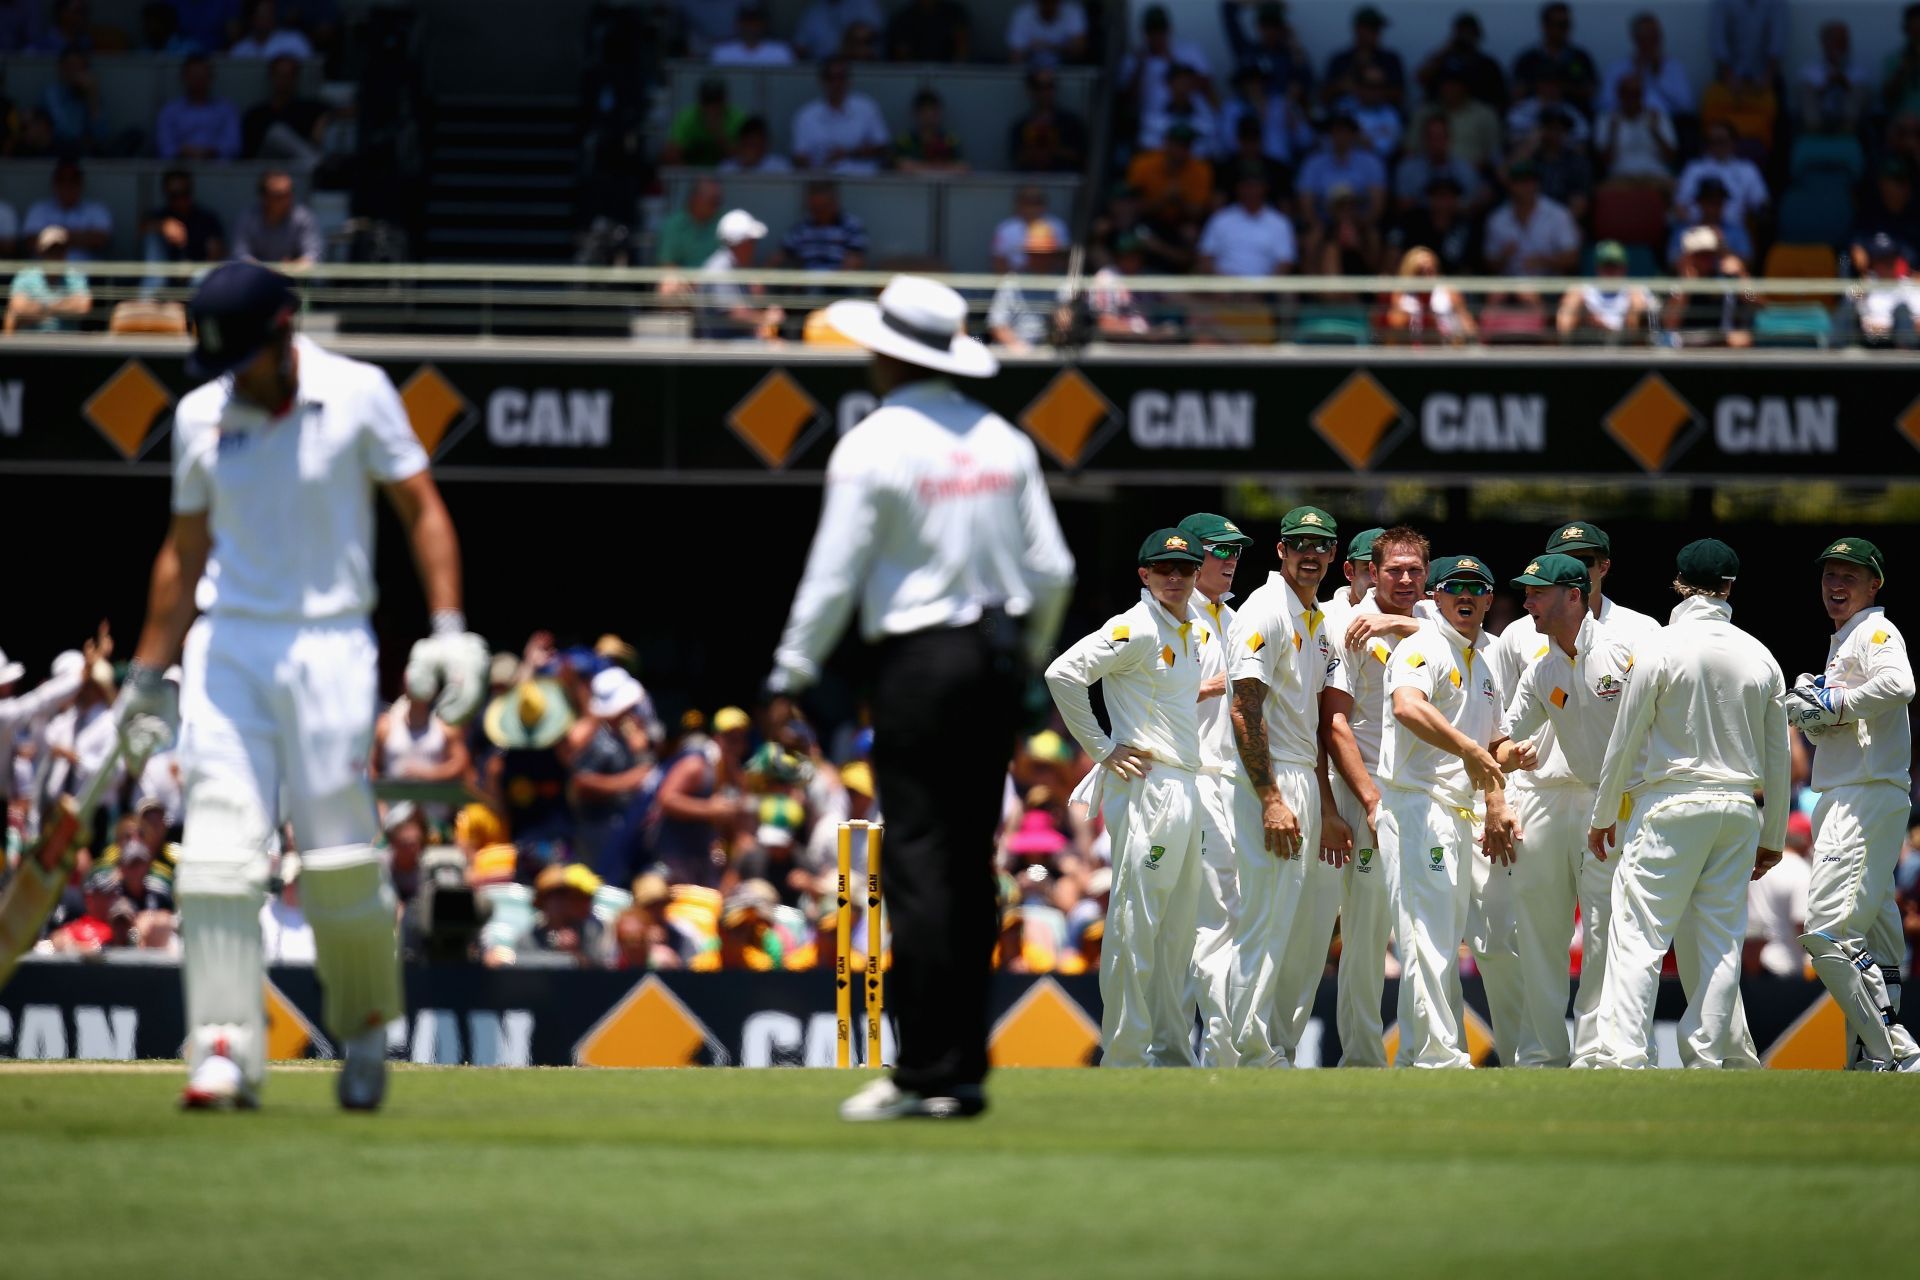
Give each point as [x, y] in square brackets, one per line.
[1366, 753]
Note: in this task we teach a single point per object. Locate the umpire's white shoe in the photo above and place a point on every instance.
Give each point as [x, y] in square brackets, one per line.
[363, 1072]
[885, 1100]
[216, 1084]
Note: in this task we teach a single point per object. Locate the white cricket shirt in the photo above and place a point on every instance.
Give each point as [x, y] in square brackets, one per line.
[1868, 658]
[1148, 666]
[290, 498]
[1455, 676]
[1282, 642]
[1571, 702]
[1362, 676]
[1217, 751]
[1521, 645]
[1704, 702]
[935, 511]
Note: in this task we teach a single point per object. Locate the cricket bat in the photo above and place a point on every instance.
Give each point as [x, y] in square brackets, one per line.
[45, 868]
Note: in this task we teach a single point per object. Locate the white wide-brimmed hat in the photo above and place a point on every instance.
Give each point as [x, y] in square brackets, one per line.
[614, 693]
[920, 321]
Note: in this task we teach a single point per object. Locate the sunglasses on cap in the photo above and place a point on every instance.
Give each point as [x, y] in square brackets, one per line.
[1224, 550]
[1465, 587]
[1302, 543]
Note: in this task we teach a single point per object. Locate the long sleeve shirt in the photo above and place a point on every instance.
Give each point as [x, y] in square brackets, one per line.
[1519, 647]
[1147, 663]
[1874, 743]
[1704, 703]
[935, 512]
[30, 709]
[1282, 642]
[1452, 672]
[1568, 703]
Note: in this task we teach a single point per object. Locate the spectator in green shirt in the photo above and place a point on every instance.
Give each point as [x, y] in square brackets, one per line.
[929, 146]
[36, 301]
[703, 133]
[690, 234]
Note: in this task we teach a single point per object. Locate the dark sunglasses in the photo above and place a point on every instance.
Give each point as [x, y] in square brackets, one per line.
[1465, 587]
[1173, 568]
[1321, 546]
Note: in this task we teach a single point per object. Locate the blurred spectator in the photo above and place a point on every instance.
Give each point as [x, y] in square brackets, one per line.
[1281, 124]
[1901, 141]
[1418, 311]
[1248, 237]
[1566, 175]
[1475, 125]
[412, 744]
[95, 930]
[1023, 316]
[1777, 907]
[1708, 319]
[1835, 94]
[181, 229]
[1047, 32]
[1343, 162]
[78, 741]
[1379, 120]
[563, 922]
[1174, 183]
[1344, 67]
[1413, 176]
[751, 46]
[1484, 80]
[930, 31]
[749, 940]
[73, 28]
[822, 29]
[1531, 235]
[703, 131]
[1048, 138]
[611, 757]
[1890, 210]
[1442, 224]
[196, 125]
[138, 885]
[690, 234]
[1748, 39]
[1888, 312]
[72, 102]
[265, 37]
[1712, 207]
[1607, 311]
[30, 135]
[1557, 55]
[840, 130]
[1010, 235]
[9, 228]
[642, 938]
[1249, 154]
[1900, 73]
[405, 830]
[1147, 72]
[160, 32]
[750, 151]
[1347, 242]
[708, 22]
[210, 24]
[1662, 79]
[699, 803]
[1117, 314]
[51, 294]
[285, 126]
[285, 935]
[828, 238]
[1184, 103]
[928, 146]
[1636, 139]
[1273, 51]
[728, 309]
[525, 776]
[278, 230]
[1746, 189]
[862, 44]
[1550, 93]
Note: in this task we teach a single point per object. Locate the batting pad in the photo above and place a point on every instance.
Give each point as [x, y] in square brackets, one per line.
[349, 903]
[220, 892]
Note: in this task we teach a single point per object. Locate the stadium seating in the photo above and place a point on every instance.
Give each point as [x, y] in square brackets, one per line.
[1823, 154]
[1817, 210]
[131, 187]
[1799, 262]
[1796, 325]
[1630, 214]
[1327, 325]
[1515, 324]
[989, 42]
[134, 86]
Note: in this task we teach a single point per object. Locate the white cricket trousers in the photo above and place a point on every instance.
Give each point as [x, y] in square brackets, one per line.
[1685, 857]
[1366, 924]
[1217, 922]
[1146, 961]
[1426, 847]
[1272, 895]
[1552, 873]
[1857, 834]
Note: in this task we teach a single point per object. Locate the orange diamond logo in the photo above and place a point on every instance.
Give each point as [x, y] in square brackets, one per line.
[1064, 417]
[650, 1027]
[1650, 422]
[1908, 424]
[126, 406]
[434, 407]
[772, 417]
[1817, 1040]
[289, 1033]
[1356, 419]
[1045, 1028]
[1479, 1037]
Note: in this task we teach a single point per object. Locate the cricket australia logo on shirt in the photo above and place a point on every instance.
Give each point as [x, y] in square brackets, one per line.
[1154, 855]
[1363, 862]
[1436, 859]
[1608, 687]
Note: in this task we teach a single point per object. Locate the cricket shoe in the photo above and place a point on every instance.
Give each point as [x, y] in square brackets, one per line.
[885, 1100]
[363, 1073]
[218, 1084]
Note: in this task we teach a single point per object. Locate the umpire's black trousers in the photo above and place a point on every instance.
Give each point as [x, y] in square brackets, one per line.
[946, 707]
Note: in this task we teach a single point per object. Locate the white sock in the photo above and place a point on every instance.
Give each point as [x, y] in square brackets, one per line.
[348, 901]
[220, 892]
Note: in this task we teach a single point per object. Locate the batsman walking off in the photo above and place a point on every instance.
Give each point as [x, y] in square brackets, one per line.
[938, 524]
[275, 463]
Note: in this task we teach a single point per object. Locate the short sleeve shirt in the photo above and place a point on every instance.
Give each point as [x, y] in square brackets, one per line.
[1283, 643]
[1457, 679]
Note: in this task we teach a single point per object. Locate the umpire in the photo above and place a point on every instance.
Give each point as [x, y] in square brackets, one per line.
[936, 521]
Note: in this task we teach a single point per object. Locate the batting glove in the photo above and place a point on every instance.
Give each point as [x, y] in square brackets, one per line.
[1812, 707]
[147, 713]
[456, 659]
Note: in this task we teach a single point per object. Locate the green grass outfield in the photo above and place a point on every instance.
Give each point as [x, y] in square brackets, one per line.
[556, 1173]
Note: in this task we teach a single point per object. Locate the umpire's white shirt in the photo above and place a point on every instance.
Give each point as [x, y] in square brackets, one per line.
[935, 511]
[291, 497]
[1868, 658]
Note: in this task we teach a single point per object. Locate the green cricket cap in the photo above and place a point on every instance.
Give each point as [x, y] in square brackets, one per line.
[1208, 527]
[1552, 570]
[1610, 253]
[1170, 544]
[1450, 568]
[1309, 520]
[1708, 563]
[1360, 550]
[1857, 551]
[1578, 535]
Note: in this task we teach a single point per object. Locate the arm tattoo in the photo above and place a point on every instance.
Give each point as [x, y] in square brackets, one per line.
[1250, 732]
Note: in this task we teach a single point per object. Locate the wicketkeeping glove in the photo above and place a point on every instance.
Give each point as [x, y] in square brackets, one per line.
[147, 713]
[1812, 707]
[457, 660]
